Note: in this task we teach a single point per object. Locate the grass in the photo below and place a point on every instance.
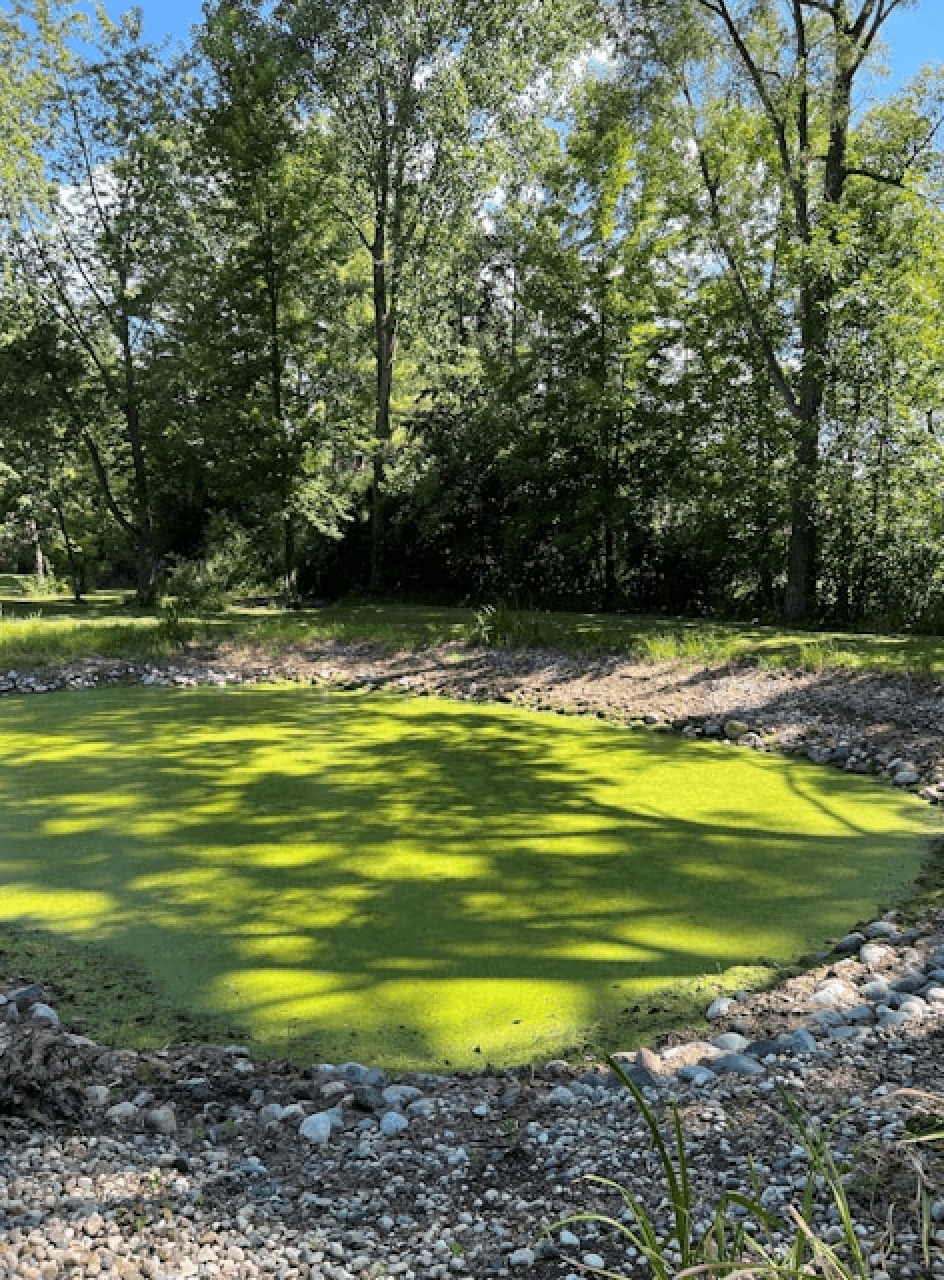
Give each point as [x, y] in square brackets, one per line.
[737, 1238]
[46, 630]
[423, 884]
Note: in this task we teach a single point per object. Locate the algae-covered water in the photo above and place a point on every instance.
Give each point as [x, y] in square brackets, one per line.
[421, 882]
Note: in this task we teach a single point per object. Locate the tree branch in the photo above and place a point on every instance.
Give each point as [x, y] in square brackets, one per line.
[103, 481]
[93, 451]
[754, 316]
[71, 319]
[862, 171]
[777, 122]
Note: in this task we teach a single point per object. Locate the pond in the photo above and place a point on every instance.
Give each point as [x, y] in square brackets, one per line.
[423, 883]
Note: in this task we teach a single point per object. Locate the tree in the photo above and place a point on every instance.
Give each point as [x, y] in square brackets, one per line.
[258, 291]
[97, 257]
[418, 95]
[46, 485]
[34, 54]
[763, 93]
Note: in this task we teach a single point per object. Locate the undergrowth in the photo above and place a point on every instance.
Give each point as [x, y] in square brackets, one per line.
[40, 630]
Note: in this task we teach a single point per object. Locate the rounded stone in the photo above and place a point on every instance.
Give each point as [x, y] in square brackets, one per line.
[41, 1012]
[718, 1008]
[730, 1042]
[881, 929]
[316, 1128]
[162, 1119]
[873, 954]
[395, 1095]
[121, 1112]
[738, 1063]
[393, 1123]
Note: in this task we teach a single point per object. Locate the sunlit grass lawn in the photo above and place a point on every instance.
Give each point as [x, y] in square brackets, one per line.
[415, 882]
[38, 630]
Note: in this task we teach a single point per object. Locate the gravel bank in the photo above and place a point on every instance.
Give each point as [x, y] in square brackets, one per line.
[196, 1161]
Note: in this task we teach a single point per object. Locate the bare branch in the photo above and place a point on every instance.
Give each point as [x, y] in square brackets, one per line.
[867, 26]
[862, 171]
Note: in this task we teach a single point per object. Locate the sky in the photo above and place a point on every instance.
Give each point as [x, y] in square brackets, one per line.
[915, 36]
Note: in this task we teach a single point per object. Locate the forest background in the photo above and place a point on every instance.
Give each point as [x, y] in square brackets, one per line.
[588, 304]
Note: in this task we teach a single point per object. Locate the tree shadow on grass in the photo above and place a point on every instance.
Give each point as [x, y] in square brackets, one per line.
[418, 880]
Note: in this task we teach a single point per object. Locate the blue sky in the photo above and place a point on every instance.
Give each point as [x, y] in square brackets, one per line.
[916, 36]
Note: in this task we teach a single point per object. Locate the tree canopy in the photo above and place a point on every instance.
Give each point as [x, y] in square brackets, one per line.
[628, 304]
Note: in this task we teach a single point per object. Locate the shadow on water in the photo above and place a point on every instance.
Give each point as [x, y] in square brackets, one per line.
[419, 880]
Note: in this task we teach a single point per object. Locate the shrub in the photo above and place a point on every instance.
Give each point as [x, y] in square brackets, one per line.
[501, 626]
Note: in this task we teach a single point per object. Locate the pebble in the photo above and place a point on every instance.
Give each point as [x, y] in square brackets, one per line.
[881, 929]
[741, 1063]
[163, 1119]
[877, 989]
[316, 1128]
[851, 942]
[875, 954]
[41, 1012]
[121, 1112]
[718, 1008]
[397, 1094]
[392, 1123]
[730, 1042]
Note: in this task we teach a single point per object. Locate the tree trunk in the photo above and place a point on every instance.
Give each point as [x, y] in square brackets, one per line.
[75, 571]
[283, 479]
[814, 301]
[143, 516]
[384, 340]
[800, 594]
[607, 478]
[801, 572]
[38, 563]
[609, 563]
[288, 556]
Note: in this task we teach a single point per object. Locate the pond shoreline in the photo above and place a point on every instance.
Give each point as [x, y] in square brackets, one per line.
[861, 722]
[189, 1159]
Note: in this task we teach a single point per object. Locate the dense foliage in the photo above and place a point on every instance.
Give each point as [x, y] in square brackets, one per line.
[623, 305]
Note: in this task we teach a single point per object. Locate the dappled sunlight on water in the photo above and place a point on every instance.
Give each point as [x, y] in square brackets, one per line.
[424, 878]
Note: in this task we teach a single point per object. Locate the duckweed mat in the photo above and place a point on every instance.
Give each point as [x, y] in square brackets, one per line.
[414, 882]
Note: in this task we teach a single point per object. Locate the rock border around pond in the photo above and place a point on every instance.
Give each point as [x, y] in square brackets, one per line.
[201, 1161]
[865, 724]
